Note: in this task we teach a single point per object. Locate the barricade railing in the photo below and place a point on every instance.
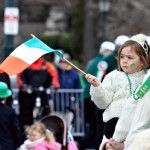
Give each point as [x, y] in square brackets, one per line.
[63, 100]
[72, 99]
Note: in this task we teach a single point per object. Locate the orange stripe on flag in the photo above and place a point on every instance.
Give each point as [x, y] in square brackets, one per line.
[13, 65]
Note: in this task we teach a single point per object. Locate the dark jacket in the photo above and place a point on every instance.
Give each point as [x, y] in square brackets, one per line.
[9, 128]
[69, 79]
[40, 73]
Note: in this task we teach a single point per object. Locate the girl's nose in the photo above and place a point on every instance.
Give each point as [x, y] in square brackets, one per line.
[124, 60]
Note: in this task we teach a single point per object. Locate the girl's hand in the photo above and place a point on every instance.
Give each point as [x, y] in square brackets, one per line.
[116, 145]
[109, 146]
[92, 79]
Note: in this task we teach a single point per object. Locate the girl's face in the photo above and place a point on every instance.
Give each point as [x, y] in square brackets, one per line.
[129, 60]
[35, 135]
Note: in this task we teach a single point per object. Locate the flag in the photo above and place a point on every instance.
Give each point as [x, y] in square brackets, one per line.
[24, 55]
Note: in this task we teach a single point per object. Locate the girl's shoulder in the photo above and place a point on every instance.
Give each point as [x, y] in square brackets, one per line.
[113, 77]
[41, 146]
[114, 74]
[53, 145]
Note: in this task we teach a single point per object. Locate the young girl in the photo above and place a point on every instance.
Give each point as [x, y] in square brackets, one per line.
[118, 87]
[39, 138]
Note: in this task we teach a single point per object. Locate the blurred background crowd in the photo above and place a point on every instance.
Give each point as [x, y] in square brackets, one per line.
[75, 25]
[88, 32]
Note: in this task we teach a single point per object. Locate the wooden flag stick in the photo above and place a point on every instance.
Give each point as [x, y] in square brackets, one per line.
[32, 35]
[75, 66]
[68, 61]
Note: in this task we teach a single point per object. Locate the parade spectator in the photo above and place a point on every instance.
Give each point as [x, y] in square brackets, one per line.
[117, 88]
[68, 76]
[9, 127]
[33, 82]
[4, 77]
[69, 80]
[39, 138]
[138, 111]
[98, 66]
[120, 40]
[108, 63]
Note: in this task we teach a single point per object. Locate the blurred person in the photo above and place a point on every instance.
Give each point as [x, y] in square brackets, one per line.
[98, 66]
[39, 138]
[57, 58]
[10, 137]
[69, 79]
[68, 76]
[108, 63]
[102, 65]
[4, 77]
[40, 75]
[120, 40]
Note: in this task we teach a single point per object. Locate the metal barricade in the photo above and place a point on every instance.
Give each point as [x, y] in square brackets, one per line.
[72, 99]
[63, 100]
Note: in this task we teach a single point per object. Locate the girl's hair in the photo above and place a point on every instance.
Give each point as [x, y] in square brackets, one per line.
[40, 127]
[144, 58]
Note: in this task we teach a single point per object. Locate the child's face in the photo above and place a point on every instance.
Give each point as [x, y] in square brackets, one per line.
[129, 60]
[35, 135]
[63, 65]
[106, 52]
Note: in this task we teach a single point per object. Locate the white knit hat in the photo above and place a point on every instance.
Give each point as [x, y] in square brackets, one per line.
[107, 46]
[148, 40]
[121, 39]
[66, 56]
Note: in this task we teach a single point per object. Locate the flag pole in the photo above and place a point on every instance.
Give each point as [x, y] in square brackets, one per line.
[74, 66]
[67, 61]
[32, 35]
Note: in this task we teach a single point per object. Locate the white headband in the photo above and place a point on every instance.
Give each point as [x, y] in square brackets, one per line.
[141, 38]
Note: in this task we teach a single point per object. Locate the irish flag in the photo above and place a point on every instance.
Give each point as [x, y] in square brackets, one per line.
[24, 55]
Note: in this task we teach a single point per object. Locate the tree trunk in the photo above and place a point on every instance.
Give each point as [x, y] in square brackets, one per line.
[88, 33]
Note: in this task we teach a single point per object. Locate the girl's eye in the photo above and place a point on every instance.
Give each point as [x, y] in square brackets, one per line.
[130, 58]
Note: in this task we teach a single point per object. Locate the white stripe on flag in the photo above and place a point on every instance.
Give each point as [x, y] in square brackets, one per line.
[29, 55]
